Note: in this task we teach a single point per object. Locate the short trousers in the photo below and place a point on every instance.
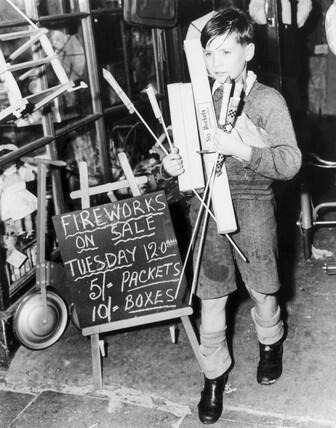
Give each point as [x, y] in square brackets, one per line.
[256, 237]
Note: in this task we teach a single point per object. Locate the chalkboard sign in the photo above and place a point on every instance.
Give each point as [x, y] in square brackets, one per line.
[121, 259]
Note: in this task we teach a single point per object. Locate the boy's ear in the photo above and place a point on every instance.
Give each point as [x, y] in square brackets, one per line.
[249, 51]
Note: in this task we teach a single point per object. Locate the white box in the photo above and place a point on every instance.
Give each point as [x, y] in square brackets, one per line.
[185, 133]
[207, 124]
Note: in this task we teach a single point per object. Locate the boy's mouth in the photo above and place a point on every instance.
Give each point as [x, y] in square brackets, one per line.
[221, 75]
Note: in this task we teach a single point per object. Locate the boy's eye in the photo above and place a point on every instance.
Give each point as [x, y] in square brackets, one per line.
[222, 52]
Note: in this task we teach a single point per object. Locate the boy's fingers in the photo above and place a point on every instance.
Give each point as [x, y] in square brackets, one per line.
[175, 158]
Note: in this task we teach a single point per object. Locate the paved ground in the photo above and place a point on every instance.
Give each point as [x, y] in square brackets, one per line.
[151, 382]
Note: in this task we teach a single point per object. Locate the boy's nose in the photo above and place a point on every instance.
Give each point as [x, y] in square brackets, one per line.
[217, 58]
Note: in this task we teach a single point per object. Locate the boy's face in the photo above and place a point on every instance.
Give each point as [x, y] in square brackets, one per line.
[225, 57]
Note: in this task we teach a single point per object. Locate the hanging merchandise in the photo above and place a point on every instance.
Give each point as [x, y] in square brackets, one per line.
[42, 316]
[17, 203]
[152, 13]
[258, 11]
[330, 27]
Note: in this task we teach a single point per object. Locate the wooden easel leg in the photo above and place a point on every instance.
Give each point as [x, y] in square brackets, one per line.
[96, 362]
[192, 338]
[173, 329]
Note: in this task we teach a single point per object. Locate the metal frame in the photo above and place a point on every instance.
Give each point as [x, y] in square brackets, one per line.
[308, 218]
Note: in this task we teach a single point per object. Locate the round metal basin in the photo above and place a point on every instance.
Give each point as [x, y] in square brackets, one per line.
[36, 329]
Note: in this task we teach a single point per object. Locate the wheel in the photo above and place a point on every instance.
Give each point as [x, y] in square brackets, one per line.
[32, 328]
[306, 221]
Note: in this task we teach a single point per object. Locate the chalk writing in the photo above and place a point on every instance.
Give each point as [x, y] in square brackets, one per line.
[122, 259]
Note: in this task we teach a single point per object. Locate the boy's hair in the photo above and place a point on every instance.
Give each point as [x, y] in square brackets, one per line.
[231, 20]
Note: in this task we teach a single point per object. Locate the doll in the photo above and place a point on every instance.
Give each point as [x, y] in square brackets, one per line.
[16, 202]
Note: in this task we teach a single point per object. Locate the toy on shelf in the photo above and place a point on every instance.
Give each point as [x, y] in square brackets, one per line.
[17, 203]
[18, 105]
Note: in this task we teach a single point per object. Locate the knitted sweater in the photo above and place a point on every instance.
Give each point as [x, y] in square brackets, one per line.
[280, 159]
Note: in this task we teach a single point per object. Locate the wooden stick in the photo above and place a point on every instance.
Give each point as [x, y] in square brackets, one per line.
[231, 116]
[84, 184]
[167, 134]
[128, 103]
[194, 231]
[201, 243]
[239, 85]
[157, 112]
[24, 16]
[55, 62]
[192, 339]
[27, 44]
[14, 93]
[40, 238]
[129, 174]
[227, 86]
[225, 234]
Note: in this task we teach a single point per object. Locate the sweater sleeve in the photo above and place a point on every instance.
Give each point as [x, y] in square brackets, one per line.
[281, 158]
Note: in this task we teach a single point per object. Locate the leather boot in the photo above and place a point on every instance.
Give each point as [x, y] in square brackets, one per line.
[270, 364]
[210, 406]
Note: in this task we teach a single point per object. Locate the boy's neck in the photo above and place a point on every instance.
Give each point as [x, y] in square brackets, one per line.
[249, 79]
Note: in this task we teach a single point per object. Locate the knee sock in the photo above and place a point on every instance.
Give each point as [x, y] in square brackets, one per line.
[268, 330]
[214, 353]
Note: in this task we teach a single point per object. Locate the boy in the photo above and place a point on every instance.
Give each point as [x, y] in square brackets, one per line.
[261, 148]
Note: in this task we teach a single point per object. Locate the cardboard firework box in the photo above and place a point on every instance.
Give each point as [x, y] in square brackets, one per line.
[207, 124]
[185, 133]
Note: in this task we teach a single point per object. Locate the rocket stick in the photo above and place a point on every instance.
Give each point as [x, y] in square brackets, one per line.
[22, 14]
[239, 85]
[157, 112]
[129, 105]
[202, 238]
[225, 234]
[233, 106]
[195, 229]
[230, 119]
[206, 195]
[227, 86]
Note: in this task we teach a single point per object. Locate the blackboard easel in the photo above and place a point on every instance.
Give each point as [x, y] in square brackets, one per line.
[97, 348]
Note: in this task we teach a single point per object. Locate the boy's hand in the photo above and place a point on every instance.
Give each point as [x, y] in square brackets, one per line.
[172, 164]
[238, 143]
[230, 144]
[249, 133]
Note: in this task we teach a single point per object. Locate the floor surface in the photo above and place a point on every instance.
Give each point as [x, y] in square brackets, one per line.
[151, 382]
